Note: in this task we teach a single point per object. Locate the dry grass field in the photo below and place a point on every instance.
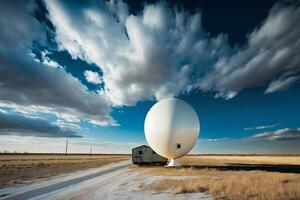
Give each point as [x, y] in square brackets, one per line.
[232, 177]
[246, 159]
[17, 168]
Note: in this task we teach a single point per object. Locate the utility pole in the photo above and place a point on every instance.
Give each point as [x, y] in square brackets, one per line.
[90, 151]
[66, 147]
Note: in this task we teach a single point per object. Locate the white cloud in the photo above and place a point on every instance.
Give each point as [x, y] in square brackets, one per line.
[18, 27]
[285, 134]
[12, 123]
[92, 77]
[67, 125]
[47, 61]
[272, 53]
[33, 87]
[260, 127]
[281, 84]
[44, 59]
[155, 54]
[51, 63]
[49, 90]
[213, 139]
[164, 52]
[119, 9]
[279, 135]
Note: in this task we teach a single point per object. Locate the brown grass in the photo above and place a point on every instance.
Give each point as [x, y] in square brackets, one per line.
[19, 168]
[228, 184]
[257, 185]
[221, 160]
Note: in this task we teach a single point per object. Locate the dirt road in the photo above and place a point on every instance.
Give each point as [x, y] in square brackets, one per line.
[111, 182]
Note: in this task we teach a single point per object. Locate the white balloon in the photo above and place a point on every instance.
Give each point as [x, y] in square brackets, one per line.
[171, 128]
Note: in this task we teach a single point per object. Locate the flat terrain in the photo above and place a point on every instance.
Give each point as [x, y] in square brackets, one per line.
[113, 181]
[231, 177]
[245, 159]
[17, 169]
[200, 177]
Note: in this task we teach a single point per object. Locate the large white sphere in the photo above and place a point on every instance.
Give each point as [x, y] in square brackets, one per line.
[171, 128]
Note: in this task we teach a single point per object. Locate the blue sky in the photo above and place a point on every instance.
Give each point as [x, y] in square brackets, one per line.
[90, 71]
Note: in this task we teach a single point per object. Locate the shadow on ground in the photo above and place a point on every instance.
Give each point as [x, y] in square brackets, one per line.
[250, 167]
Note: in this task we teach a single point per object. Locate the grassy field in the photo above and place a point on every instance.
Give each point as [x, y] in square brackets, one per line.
[232, 177]
[246, 159]
[16, 168]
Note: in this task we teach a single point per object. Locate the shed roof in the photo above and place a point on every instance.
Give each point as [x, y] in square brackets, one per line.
[141, 146]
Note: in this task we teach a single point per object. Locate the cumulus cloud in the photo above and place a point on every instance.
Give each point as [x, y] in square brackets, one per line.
[159, 53]
[271, 55]
[279, 135]
[17, 124]
[18, 27]
[29, 86]
[92, 77]
[165, 52]
[162, 51]
[33, 87]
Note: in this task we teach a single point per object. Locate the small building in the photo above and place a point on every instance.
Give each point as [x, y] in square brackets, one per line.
[144, 155]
